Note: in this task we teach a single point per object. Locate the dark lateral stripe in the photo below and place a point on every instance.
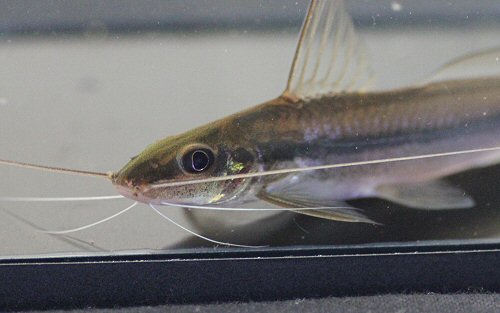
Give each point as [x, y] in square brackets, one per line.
[287, 150]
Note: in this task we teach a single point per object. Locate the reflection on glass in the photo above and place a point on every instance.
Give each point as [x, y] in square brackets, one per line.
[383, 134]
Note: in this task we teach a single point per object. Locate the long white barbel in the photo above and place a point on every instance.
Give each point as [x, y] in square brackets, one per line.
[199, 235]
[67, 231]
[59, 199]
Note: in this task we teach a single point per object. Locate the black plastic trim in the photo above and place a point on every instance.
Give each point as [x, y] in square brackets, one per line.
[238, 275]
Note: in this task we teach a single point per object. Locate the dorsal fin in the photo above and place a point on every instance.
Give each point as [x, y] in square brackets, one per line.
[329, 57]
[484, 63]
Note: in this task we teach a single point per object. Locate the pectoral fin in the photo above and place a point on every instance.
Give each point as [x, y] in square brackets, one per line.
[433, 195]
[316, 205]
[346, 214]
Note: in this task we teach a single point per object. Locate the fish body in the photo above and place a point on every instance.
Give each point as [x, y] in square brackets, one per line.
[350, 127]
[328, 115]
[443, 116]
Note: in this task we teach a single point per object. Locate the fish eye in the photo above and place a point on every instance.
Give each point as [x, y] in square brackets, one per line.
[197, 160]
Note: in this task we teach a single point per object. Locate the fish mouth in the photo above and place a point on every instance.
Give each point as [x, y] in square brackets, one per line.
[128, 188]
[136, 193]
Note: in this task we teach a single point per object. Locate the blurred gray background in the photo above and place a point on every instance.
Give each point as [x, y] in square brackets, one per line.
[88, 84]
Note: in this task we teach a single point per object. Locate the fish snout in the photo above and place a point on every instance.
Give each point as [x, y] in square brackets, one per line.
[130, 188]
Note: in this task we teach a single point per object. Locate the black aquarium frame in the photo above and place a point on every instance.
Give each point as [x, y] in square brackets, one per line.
[223, 275]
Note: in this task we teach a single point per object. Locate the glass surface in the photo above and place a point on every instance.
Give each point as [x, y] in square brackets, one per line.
[90, 97]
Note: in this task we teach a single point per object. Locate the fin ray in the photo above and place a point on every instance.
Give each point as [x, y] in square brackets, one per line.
[329, 57]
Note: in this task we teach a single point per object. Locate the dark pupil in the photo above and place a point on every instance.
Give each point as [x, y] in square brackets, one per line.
[197, 160]
[200, 160]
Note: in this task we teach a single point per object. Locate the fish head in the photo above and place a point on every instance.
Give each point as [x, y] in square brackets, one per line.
[161, 173]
